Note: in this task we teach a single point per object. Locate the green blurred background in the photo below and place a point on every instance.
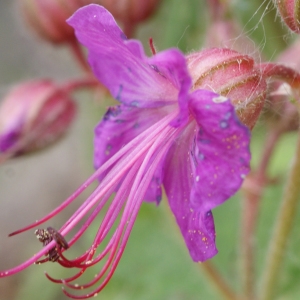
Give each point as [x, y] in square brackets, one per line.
[156, 264]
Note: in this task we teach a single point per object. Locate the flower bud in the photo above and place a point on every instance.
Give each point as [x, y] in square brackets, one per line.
[33, 115]
[232, 75]
[290, 13]
[132, 11]
[48, 18]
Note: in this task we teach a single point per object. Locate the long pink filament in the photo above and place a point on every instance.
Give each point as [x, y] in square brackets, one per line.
[137, 192]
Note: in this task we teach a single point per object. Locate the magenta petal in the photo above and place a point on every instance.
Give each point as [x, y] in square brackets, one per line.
[205, 167]
[172, 65]
[220, 152]
[120, 125]
[197, 227]
[120, 64]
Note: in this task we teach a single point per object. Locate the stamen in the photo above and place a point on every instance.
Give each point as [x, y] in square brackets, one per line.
[46, 236]
[135, 147]
[139, 187]
[152, 47]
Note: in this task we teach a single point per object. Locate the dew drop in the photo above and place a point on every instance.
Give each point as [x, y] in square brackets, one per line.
[219, 99]
[134, 103]
[227, 115]
[118, 97]
[108, 148]
[155, 68]
[201, 156]
[223, 124]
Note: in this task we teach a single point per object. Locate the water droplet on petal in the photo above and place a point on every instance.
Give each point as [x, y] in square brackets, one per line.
[134, 103]
[118, 97]
[219, 99]
[201, 156]
[155, 68]
[227, 115]
[223, 124]
[108, 148]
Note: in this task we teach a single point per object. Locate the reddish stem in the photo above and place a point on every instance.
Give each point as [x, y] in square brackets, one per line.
[82, 83]
[152, 47]
[254, 185]
[217, 9]
[253, 189]
[80, 57]
[284, 73]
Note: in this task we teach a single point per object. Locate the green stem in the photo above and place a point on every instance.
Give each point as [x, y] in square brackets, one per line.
[283, 227]
[218, 281]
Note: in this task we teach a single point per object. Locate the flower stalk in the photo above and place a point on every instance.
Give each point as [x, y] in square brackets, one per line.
[253, 189]
[283, 227]
[80, 57]
[218, 281]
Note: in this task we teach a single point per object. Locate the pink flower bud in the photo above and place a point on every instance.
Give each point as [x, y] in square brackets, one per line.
[33, 115]
[232, 75]
[133, 11]
[48, 18]
[130, 12]
[289, 12]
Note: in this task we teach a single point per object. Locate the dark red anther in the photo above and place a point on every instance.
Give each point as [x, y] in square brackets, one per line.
[46, 236]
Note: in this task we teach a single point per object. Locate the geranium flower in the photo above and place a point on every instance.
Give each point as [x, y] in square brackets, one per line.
[162, 134]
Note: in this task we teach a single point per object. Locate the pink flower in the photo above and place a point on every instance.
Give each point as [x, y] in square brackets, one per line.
[162, 134]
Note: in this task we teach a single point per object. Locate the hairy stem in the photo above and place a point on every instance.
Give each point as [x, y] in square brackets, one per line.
[282, 229]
